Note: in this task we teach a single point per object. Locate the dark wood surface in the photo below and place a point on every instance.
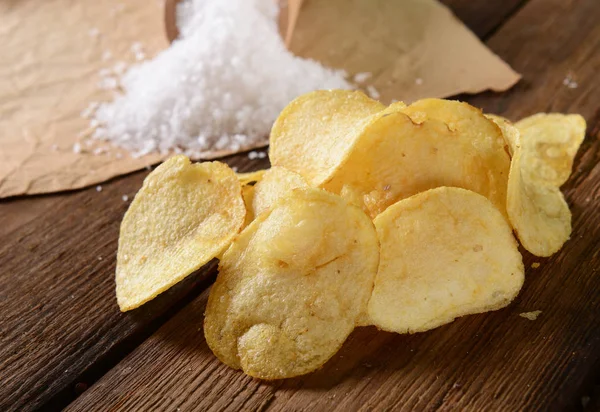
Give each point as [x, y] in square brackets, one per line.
[61, 331]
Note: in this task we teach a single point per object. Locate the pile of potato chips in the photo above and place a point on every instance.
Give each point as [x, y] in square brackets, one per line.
[400, 217]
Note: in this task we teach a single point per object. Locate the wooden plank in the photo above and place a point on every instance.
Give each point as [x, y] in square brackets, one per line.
[60, 326]
[494, 361]
[484, 17]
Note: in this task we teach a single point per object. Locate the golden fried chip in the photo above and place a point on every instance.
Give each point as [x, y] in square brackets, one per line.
[248, 195]
[292, 285]
[314, 133]
[183, 216]
[536, 207]
[398, 155]
[445, 253]
[509, 131]
[250, 177]
[276, 183]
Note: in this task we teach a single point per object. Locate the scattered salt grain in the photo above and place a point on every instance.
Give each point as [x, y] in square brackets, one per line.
[535, 265]
[125, 198]
[373, 92]
[76, 147]
[89, 110]
[106, 55]
[138, 51]
[253, 155]
[108, 83]
[362, 77]
[219, 86]
[235, 169]
[98, 188]
[262, 155]
[418, 81]
[119, 68]
[98, 151]
[530, 315]
[570, 82]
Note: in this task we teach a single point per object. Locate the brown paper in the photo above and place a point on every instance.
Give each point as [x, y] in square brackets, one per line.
[53, 50]
[413, 48]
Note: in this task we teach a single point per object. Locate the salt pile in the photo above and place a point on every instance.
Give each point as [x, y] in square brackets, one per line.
[219, 87]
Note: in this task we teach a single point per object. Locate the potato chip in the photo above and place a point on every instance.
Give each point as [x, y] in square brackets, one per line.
[248, 195]
[250, 177]
[275, 183]
[313, 135]
[509, 131]
[445, 253]
[183, 216]
[398, 155]
[536, 207]
[292, 285]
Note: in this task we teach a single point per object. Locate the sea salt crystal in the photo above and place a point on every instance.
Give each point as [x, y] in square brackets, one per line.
[138, 51]
[362, 77]
[98, 188]
[253, 155]
[570, 82]
[262, 155]
[108, 83]
[373, 92]
[219, 86]
[89, 110]
[125, 198]
[76, 147]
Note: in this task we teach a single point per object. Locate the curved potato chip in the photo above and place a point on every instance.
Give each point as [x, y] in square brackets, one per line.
[473, 126]
[292, 285]
[397, 156]
[248, 195]
[536, 207]
[276, 183]
[445, 253]
[250, 177]
[314, 133]
[509, 131]
[183, 216]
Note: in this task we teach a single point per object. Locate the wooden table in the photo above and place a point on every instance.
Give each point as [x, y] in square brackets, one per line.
[63, 341]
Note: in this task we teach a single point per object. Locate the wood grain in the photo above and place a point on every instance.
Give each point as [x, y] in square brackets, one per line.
[60, 327]
[494, 361]
[484, 17]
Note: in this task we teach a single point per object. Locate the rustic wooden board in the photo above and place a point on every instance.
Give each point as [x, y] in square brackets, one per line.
[60, 326]
[60, 329]
[494, 361]
[484, 17]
